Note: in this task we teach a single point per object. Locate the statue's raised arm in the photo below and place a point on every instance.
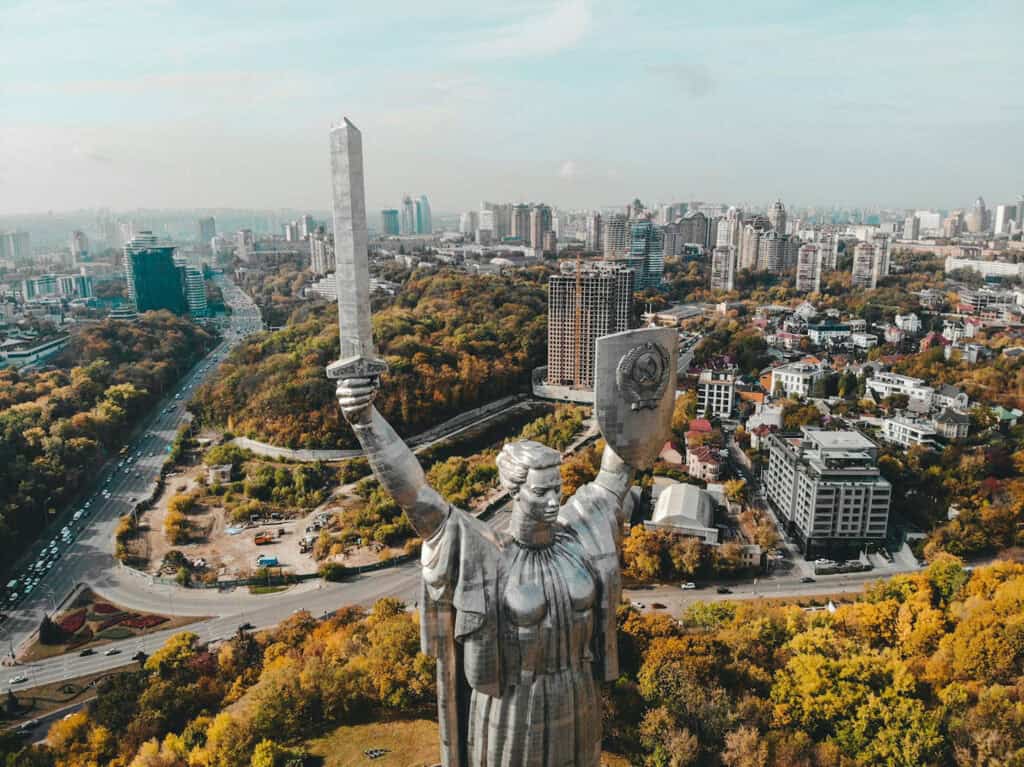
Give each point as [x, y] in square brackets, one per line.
[393, 463]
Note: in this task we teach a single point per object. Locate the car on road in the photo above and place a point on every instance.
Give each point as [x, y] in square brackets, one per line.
[86, 652]
[807, 579]
[17, 679]
[637, 605]
[78, 515]
[688, 586]
[112, 651]
[657, 606]
[723, 590]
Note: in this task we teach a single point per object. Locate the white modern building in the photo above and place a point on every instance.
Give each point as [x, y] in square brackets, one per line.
[907, 432]
[716, 394]
[919, 395]
[826, 487]
[909, 323]
[795, 378]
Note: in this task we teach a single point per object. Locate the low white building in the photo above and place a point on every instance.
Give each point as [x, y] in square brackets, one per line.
[864, 340]
[950, 396]
[888, 384]
[828, 333]
[795, 378]
[716, 394]
[687, 510]
[907, 432]
[909, 323]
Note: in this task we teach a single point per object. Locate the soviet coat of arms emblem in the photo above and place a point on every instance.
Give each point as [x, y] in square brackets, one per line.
[641, 377]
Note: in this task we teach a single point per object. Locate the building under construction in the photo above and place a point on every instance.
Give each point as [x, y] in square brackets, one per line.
[585, 302]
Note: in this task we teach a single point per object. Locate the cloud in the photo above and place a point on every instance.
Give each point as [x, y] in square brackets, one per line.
[568, 170]
[694, 79]
[560, 28]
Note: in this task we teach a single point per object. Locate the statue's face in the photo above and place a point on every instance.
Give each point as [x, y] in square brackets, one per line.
[536, 505]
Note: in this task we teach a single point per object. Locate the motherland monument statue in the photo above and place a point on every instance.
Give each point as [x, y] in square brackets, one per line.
[522, 624]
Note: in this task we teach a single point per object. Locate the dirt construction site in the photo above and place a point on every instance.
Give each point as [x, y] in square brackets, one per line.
[220, 549]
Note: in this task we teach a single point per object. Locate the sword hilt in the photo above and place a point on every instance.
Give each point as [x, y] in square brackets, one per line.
[356, 367]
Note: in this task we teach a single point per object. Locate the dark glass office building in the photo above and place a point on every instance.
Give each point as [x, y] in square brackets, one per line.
[154, 280]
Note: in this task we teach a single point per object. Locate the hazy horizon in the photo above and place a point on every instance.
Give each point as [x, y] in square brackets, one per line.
[148, 104]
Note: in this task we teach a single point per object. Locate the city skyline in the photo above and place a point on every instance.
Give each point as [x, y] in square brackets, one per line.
[509, 102]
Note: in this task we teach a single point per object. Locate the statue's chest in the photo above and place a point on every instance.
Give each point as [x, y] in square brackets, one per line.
[547, 601]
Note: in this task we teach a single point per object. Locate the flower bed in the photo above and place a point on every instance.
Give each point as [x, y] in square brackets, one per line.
[102, 608]
[116, 632]
[143, 621]
[111, 621]
[72, 622]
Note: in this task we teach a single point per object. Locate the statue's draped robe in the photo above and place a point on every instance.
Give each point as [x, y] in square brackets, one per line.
[521, 634]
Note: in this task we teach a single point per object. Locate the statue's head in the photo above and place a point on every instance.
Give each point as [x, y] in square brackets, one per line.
[532, 472]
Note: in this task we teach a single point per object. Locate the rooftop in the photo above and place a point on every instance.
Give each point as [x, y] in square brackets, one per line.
[837, 440]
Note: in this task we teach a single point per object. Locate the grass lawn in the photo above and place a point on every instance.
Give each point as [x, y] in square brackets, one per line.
[266, 589]
[411, 743]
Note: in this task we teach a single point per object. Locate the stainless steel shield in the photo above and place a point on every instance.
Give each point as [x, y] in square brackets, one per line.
[634, 391]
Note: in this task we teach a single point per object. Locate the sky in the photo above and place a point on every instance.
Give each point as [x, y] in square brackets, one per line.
[579, 103]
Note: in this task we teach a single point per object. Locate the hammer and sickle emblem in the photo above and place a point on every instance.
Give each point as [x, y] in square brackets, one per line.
[641, 375]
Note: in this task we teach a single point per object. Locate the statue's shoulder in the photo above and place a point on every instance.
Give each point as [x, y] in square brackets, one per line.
[590, 514]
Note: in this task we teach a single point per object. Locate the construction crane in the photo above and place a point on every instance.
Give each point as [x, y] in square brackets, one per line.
[578, 323]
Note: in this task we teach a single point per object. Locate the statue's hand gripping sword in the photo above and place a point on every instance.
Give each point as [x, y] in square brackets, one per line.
[352, 270]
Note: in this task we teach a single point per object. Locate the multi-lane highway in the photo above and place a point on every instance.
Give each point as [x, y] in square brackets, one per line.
[81, 551]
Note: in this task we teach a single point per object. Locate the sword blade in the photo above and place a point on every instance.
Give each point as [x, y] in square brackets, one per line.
[352, 268]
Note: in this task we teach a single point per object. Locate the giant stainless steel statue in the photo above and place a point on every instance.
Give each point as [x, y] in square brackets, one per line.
[522, 624]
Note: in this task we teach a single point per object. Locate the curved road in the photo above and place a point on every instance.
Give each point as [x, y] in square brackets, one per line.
[89, 560]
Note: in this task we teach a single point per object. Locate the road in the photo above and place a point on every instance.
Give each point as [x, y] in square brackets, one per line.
[89, 560]
[87, 555]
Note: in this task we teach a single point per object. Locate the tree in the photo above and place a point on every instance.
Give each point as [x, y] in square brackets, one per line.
[745, 748]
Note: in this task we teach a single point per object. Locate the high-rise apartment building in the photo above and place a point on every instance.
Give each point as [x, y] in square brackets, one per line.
[581, 309]
[291, 231]
[594, 238]
[912, 228]
[826, 487]
[977, 218]
[306, 226]
[321, 252]
[750, 241]
[79, 247]
[771, 252]
[521, 223]
[389, 225]
[540, 223]
[616, 234]
[723, 268]
[647, 254]
[194, 287]
[808, 267]
[207, 227]
[730, 229]
[865, 270]
[777, 217]
[245, 244]
[468, 223]
[154, 280]
[1006, 215]
[501, 219]
[424, 221]
[15, 246]
[485, 227]
[407, 223]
